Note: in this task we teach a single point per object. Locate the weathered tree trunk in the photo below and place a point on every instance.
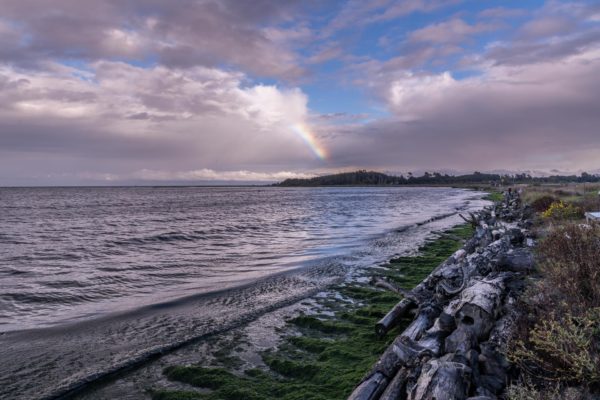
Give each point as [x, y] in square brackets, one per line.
[518, 260]
[370, 388]
[443, 361]
[442, 380]
[420, 293]
[397, 387]
[422, 322]
[382, 283]
[402, 351]
[479, 305]
[393, 317]
[433, 338]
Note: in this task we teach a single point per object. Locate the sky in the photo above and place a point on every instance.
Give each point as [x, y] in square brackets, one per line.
[140, 91]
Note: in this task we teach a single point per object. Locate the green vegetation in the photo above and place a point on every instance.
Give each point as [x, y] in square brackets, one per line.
[557, 345]
[562, 211]
[363, 177]
[332, 353]
[541, 204]
[582, 195]
[493, 195]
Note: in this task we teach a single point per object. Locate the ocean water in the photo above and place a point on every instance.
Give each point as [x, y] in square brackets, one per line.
[94, 279]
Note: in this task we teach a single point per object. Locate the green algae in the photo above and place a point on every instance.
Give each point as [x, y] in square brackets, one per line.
[494, 196]
[331, 354]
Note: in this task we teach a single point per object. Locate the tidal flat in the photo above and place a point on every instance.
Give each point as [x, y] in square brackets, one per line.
[321, 353]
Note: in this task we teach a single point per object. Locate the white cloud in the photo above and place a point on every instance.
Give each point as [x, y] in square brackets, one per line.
[201, 117]
[454, 30]
[206, 174]
[509, 117]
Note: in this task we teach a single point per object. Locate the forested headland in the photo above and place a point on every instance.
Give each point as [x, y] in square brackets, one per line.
[364, 177]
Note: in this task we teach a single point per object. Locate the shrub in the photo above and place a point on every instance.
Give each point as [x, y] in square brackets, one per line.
[541, 204]
[562, 348]
[528, 391]
[562, 211]
[570, 262]
[588, 203]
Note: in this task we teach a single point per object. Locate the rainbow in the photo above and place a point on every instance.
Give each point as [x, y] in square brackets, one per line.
[310, 139]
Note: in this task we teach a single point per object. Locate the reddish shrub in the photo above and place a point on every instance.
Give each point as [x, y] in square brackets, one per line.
[571, 263]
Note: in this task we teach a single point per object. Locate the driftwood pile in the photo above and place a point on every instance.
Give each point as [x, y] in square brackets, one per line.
[464, 313]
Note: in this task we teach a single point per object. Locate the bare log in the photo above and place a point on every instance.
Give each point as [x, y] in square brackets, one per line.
[493, 366]
[472, 219]
[518, 260]
[401, 352]
[479, 305]
[442, 380]
[472, 306]
[392, 318]
[433, 341]
[396, 387]
[448, 236]
[461, 340]
[463, 281]
[382, 283]
[420, 293]
[433, 338]
[370, 389]
[427, 314]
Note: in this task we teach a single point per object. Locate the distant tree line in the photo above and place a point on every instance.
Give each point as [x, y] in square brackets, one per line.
[364, 177]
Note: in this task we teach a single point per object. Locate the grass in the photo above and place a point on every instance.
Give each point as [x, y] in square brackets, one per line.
[332, 354]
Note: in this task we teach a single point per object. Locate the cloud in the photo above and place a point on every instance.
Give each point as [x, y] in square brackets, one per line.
[361, 13]
[547, 26]
[209, 89]
[555, 31]
[206, 174]
[531, 116]
[190, 33]
[530, 52]
[503, 12]
[168, 118]
[454, 30]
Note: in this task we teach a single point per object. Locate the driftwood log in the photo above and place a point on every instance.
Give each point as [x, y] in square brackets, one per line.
[397, 386]
[442, 380]
[382, 283]
[450, 349]
[393, 317]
